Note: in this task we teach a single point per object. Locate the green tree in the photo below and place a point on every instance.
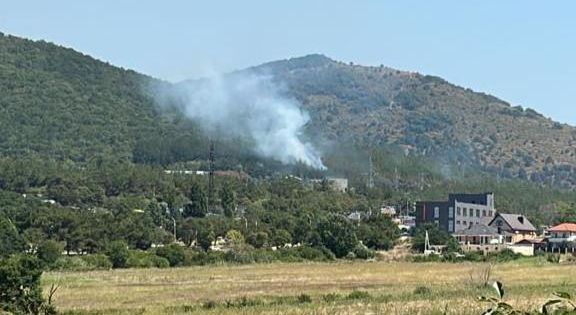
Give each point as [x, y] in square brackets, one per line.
[566, 212]
[258, 240]
[197, 207]
[174, 253]
[378, 232]
[49, 251]
[118, 253]
[281, 237]
[337, 234]
[205, 236]
[235, 238]
[10, 240]
[20, 286]
[228, 200]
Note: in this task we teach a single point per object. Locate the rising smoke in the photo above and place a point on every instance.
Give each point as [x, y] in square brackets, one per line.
[249, 106]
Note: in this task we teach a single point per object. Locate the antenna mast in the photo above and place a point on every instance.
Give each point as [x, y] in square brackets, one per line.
[211, 177]
[371, 172]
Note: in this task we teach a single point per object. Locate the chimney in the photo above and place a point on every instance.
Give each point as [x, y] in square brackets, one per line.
[521, 219]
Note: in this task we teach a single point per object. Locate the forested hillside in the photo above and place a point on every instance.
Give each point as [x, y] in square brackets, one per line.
[60, 109]
[59, 104]
[428, 116]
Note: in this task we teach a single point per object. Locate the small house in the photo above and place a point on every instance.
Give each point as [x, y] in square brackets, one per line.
[480, 238]
[562, 238]
[514, 227]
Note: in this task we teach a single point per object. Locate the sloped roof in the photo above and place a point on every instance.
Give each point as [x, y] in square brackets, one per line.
[478, 229]
[517, 222]
[564, 227]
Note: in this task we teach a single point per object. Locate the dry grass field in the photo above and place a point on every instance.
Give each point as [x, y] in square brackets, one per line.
[306, 288]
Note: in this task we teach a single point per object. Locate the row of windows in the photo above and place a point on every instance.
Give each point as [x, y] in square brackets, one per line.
[466, 223]
[437, 212]
[464, 212]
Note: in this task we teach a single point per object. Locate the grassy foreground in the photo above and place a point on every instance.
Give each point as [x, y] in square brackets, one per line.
[319, 288]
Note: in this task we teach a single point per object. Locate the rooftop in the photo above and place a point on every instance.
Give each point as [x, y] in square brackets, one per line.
[478, 229]
[517, 222]
[564, 227]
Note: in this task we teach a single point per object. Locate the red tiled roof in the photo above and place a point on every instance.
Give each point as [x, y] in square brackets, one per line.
[564, 227]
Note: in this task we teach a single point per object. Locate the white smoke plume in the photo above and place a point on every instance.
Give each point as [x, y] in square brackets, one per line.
[250, 105]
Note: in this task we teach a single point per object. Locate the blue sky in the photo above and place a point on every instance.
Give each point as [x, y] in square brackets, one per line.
[522, 51]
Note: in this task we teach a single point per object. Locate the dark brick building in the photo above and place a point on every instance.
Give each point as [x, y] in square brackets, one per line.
[458, 213]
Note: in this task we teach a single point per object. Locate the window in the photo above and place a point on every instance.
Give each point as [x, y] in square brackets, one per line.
[458, 222]
[464, 223]
[478, 213]
[450, 226]
[483, 213]
[436, 212]
[458, 211]
[451, 212]
[464, 212]
[490, 213]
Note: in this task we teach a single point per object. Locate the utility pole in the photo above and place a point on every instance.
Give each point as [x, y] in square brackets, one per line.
[174, 222]
[370, 172]
[396, 179]
[211, 178]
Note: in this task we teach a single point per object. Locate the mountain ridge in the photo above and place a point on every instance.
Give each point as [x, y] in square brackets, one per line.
[70, 105]
[429, 116]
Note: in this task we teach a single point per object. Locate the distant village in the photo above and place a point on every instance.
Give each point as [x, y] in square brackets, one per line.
[472, 219]
[479, 227]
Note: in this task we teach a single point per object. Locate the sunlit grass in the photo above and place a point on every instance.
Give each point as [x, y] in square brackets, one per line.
[389, 288]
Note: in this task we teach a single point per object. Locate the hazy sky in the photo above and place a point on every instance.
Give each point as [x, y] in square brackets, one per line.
[522, 51]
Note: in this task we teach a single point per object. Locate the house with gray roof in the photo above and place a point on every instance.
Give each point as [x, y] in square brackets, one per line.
[480, 238]
[514, 227]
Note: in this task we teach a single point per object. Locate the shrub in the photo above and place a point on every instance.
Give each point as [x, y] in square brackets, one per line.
[553, 258]
[49, 251]
[20, 286]
[142, 259]
[174, 253]
[331, 297]
[97, 261]
[281, 238]
[363, 252]
[209, 305]
[337, 234]
[504, 256]
[304, 298]
[258, 240]
[421, 290]
[72, 263]
[118, 253]
[314, 254]
[235, 238]
[358, 295]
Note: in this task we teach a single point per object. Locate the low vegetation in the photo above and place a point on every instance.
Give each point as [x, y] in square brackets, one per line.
[305, 288]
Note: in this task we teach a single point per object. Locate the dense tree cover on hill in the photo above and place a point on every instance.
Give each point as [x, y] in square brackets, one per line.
[430, 117]
[59, 104]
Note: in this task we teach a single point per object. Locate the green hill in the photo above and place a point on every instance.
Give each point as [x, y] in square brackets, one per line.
[60, 104]
[428, 116]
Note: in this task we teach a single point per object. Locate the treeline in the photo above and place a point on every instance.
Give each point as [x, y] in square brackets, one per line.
[87, 208]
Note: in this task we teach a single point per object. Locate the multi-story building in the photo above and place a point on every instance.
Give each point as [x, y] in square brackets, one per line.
[458, 213]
